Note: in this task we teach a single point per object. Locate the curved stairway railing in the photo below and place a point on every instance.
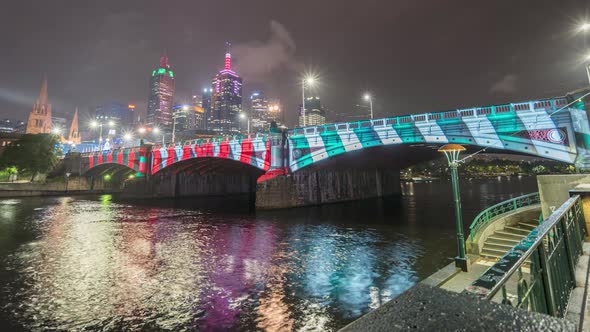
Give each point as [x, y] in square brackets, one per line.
[553, 249]
[489, 214]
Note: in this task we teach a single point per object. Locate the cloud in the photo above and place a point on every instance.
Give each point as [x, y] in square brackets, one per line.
[256, 60]
[506, 85]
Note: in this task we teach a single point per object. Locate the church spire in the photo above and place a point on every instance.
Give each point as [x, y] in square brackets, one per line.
[74, 135]
[42, 100]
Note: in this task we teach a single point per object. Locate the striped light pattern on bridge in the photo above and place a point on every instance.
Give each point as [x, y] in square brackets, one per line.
[252, 151]
[524, 128]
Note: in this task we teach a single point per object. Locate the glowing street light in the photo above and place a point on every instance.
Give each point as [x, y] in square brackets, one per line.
[156, 130]
[244, 116]
[369, 98]
[308, 80]
[127, 137]
[585, 26]
[452, 152]
[141, 130]
[56, 131]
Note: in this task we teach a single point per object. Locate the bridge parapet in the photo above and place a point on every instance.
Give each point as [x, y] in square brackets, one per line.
[541, 128]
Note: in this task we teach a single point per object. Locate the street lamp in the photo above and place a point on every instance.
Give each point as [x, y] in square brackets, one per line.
[141, 131]
[369, 98]
[244, 116]
[452, 151]
[310, 81]
[585, 30]
[156, 131]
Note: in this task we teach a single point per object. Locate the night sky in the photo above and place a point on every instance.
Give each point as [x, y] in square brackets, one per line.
[415, 56]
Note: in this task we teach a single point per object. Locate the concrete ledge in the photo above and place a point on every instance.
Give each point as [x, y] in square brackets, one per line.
[425, 308]
[441, 276]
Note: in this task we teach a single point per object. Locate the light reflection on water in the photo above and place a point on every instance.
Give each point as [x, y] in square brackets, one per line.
[73, 263]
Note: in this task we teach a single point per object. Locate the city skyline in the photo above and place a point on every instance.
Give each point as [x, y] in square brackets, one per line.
[399, 67]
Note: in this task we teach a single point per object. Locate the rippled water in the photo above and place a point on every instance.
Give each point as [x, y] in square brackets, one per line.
[95, 263]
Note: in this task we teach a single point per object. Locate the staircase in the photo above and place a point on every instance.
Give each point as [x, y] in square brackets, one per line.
[497, 244]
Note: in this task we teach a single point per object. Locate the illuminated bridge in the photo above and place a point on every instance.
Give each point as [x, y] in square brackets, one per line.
[555, 129]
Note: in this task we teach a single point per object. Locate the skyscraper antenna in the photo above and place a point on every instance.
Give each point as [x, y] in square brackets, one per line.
[227, 47]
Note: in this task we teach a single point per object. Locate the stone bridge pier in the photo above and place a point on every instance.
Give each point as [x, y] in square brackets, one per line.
[326, 185]
[187, 184]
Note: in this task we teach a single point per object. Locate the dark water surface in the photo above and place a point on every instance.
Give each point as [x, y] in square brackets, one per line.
[98, 264]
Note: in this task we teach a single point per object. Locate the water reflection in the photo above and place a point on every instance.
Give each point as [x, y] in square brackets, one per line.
[96, 263]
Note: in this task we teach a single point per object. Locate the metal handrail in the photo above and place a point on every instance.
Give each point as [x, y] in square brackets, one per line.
[553, 245]
[487, 215]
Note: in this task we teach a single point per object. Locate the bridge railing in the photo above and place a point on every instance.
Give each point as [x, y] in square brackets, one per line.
[538, 274]
[474, 112]
[494, 211]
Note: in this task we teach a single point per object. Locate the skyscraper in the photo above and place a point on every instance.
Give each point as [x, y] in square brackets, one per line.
[40, 118]
[206, 105]
[226, 99]
[315, 115]
[159, 112]
[260, 113]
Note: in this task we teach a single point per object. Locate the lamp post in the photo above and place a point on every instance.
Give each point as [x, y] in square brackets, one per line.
[452, 151]
[369, 98]
[244, 116]
[141, 131]
[310, 80]
[585, 30]
[67, 180]
[156, 131]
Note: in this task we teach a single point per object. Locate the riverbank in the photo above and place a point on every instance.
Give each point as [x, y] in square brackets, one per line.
[74, 186]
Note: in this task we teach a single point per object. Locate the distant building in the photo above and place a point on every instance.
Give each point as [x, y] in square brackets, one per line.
[188, 117]
[259, 113]
[39, 121]
[197, 100]
[206, 105]
[314, 114]
[226, 100]
[12, 126]
[159, 113]
[123, 115]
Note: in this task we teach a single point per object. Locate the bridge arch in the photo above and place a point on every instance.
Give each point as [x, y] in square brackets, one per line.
[251, 151]
[525, 128]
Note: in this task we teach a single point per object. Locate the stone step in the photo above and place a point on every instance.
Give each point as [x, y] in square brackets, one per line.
[503, 240]
[508, 235]
[529, 225]
[517, 230]
[495, 253]
[497, 246]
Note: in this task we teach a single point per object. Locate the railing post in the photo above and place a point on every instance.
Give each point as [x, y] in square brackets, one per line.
[546, 278]
[568, 249]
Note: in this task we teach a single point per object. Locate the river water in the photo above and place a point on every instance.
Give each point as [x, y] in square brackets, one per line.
[211, 264]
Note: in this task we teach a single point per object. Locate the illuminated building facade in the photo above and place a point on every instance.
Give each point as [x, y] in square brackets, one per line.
[206, 105]
[159, 113]
[315, 115]
[39, 121]
[263, 112]
[188, 117]
[122, 115]
[226, 100]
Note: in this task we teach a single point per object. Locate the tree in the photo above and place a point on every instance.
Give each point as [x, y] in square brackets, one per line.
[32, 153]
